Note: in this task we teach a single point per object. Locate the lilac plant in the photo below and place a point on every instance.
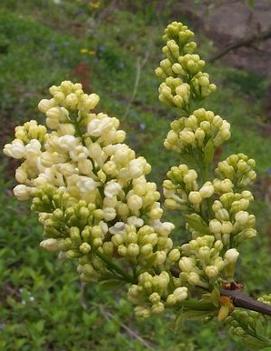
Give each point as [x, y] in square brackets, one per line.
[98, 209]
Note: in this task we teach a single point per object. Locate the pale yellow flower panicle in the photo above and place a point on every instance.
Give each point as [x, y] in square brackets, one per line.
[214, 201]
[90, 189]
[97, 207]
[181, 69]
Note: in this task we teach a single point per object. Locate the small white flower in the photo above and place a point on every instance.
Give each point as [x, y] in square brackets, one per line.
[22, 192]
[109, 213]
[79, 152]
[16, 149]
[86, 184]
[43, 178]
[134, 202]
[67, 169]
[104, 227]
[117, 228]
[67, 142]
[49, 244]
[211, 271]
[231, 255]
[180, 293]
[89, 102]
[163, 228]
[137, 222]
[160, 257]
[195, 197]
[242, 217]
[71, 101]
[21, 175]
[97, 126]
[66, 129]
[136, 167]
[215, 226]
[206, 190]
[112, 188]
[97, 154]
[85, 166]
[186, 264]
[32, 148]
[45, 104]
[122, 153]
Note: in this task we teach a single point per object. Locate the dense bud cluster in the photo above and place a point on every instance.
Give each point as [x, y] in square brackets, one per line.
[182, 191]
[215, 208]
[194, 132]
[202, 260]
[232, 223]
[90, 189]
[181, 70]
[239, 169]
[227, 218]
[156, 292]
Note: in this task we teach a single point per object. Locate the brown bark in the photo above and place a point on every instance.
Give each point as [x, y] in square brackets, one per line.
[240, 299]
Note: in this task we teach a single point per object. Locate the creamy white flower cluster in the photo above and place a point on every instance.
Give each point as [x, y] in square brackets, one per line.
[202, 261]
[182, 190]
[226, 216]
[92, 196]
[157, 291]
[97, 207]
[181, 70]
[214, 201]
[233, 223]
[238, 168]
[194, 132]
[90, 190]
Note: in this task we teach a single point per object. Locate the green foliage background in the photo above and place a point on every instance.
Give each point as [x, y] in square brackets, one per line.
[43, 306]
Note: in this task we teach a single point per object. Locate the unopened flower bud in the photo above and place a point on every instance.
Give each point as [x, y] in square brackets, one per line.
[49, 244]
[195, 197]
[231, 255]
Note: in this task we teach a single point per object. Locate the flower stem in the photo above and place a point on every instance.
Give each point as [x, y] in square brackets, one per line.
[115, 268]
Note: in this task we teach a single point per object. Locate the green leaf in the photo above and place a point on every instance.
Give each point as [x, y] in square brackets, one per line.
[197, 223]
[259, 328]
[212, 297]
[110, 284]
[208, 152]
[191, 315]
[89, 318]
[215, 295]
[39, 326]
[254, 343]
[179, 320]
[197, 305]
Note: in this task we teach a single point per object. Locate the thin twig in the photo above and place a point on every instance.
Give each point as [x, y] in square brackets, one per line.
[107, 315]
[242, 300]
[139, 65]
[264, 35]
[82, 296]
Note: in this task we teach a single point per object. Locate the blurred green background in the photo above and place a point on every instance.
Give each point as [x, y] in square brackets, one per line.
[112, 47]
